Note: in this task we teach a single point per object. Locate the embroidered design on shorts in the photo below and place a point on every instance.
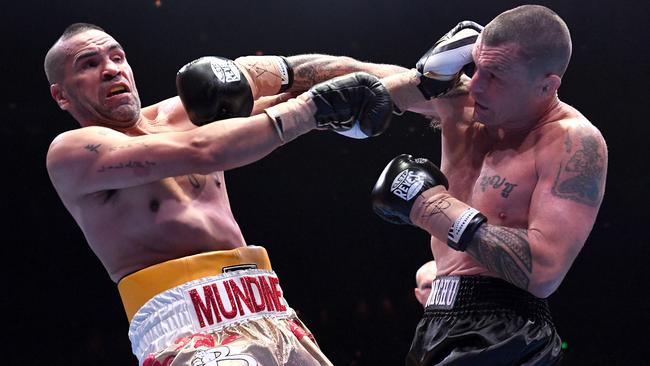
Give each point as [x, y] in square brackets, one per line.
[215, 356]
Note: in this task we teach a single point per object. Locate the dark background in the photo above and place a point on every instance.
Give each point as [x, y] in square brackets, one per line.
[349, 274]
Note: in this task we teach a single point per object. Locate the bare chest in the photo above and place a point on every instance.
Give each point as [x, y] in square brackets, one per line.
[502, 187]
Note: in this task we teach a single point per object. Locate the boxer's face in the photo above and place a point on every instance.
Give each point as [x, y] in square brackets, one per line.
[501, 86]
[97, 86]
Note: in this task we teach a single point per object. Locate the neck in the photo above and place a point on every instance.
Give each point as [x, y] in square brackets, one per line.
[545, 113]
[143, 126]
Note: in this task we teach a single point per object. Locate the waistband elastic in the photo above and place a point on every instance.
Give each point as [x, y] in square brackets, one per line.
[462, 295]
[139, 287]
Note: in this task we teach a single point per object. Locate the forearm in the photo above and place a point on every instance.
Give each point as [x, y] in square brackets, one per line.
[504, 251]
[237, 142]
[312, 69]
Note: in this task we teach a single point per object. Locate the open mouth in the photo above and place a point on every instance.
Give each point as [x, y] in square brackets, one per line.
[117, 90]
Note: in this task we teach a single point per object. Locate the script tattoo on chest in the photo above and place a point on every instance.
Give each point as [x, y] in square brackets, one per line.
[497, 182]
[579, 179]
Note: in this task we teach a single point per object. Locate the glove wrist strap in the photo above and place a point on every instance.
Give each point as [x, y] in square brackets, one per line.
[293, 117]
[463, 229]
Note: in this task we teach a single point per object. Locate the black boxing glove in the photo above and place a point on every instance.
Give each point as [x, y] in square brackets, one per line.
[401, 182]
[357, 105]
[440, 67]
[213, 88]
[414, 191]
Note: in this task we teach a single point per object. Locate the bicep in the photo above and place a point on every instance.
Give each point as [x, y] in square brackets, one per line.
[566, 199]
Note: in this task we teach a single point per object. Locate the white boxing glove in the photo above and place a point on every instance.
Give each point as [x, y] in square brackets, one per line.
[441, 65]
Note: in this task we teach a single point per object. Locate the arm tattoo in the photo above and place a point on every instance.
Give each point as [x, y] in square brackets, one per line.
[505, 251]
[579, 179]
[131, 164]
[93, 148]
[309, 70]
[127, 146]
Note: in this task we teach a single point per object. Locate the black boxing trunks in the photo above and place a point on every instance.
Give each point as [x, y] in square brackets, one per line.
[478, 320]
[213, 308]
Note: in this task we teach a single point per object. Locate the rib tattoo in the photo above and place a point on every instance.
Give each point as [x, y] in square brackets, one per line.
[505, 251]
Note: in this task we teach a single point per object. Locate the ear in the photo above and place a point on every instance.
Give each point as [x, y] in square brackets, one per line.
[59, 95]
[550, 85]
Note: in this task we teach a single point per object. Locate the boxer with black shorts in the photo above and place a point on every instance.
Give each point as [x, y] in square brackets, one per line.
[521, 179]
[146, 186]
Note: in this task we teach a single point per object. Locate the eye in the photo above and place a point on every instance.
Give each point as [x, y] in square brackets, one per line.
[117, 58]
[90, 64]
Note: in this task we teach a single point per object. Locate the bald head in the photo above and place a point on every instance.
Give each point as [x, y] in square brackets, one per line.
[423, 278]
[55, 57]
[540, 35]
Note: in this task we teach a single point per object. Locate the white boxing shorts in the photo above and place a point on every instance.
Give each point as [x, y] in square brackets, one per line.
[212, 307]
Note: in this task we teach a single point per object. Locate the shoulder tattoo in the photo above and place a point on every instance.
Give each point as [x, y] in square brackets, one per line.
[579, 177]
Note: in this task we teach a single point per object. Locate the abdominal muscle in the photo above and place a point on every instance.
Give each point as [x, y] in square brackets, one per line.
[141, 226]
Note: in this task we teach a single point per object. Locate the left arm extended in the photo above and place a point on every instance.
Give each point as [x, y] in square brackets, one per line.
[311, 69]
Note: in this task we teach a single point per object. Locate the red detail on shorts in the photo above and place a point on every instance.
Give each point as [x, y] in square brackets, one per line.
[296, 330]
[202, 339]
[250, 280]
[151, 361]
[205, 309]
[241, 296]
[233, 312]
[229, 339]
[181, 342]
[277, 294]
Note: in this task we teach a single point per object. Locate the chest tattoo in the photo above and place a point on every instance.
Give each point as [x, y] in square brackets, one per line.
[497, 182]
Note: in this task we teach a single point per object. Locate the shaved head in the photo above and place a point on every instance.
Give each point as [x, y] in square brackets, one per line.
[54, 58]
[540, 35]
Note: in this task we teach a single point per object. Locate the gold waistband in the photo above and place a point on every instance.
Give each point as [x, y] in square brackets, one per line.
[139, 287]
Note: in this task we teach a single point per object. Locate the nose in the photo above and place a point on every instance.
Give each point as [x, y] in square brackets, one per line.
[110, 71]
[476, 84]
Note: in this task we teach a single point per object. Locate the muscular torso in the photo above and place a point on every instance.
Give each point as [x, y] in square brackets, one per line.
[495, 177]
[135, 227]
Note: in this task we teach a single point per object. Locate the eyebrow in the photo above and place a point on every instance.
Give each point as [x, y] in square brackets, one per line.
[93, 53]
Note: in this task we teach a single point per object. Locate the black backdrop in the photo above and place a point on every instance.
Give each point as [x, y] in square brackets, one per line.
[349, 274]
